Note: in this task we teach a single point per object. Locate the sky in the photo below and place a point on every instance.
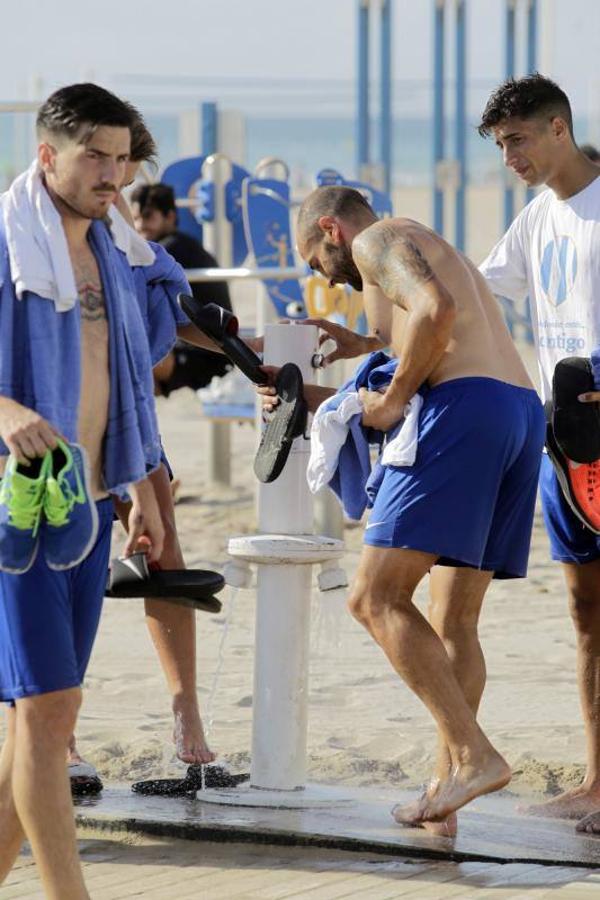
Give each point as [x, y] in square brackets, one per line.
[214, 49]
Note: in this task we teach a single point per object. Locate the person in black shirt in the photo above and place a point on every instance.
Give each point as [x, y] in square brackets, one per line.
[155, 217]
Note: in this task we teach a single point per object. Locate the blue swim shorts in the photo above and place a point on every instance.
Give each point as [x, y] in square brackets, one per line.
[570, 540]
[470, 496]
[49, 619]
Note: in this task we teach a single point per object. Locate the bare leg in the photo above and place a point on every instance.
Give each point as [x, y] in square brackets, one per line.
[41, 791]
[456, 597]
[173, 632]
[583, 586]
[382, 601]
[11, 832]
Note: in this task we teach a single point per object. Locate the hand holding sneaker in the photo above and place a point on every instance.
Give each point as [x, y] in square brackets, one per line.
[26, 434]
[21, 503]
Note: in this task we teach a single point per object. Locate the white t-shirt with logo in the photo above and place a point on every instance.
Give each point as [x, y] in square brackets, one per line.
[551, 253]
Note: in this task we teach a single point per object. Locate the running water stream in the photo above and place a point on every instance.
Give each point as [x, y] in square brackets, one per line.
[210, 702]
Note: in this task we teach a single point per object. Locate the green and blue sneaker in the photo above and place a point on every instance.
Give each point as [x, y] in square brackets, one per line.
[70, 528]
[21, 502]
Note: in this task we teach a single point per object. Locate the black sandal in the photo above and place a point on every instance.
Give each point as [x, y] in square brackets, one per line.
[131, 577]
[287, 422]
[214, 777]
[222, 327]
[563, 471]
[576, 425]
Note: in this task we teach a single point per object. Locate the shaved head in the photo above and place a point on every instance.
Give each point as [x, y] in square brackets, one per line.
[333, 200]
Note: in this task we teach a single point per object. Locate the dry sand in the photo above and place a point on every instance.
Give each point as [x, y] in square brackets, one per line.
[365, 727]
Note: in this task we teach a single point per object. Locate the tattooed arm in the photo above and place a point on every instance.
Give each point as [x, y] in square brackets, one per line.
[388, 255]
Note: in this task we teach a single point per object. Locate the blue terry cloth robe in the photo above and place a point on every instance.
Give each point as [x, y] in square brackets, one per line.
[40, 359]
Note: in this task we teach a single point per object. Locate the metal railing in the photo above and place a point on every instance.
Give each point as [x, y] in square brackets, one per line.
[243, 273]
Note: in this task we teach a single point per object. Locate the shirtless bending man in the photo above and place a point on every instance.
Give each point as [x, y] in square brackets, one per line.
[468, 501]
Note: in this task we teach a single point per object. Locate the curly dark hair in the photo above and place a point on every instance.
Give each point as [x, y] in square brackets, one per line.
[533, 96]
[75, 111]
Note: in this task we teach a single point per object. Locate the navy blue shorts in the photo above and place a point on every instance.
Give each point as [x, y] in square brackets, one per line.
[570, 540]
[49, 619]
[470, 496]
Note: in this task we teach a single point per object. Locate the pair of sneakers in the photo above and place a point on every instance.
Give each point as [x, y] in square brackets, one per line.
[47, 504]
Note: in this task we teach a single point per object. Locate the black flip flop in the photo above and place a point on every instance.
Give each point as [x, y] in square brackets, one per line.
[85, 785]
[287, 422]
[195, 588]
[214, 777]
[561, 467]
[576, 425]
[222, 327]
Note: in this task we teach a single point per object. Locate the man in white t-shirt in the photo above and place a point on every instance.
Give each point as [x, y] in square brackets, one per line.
[551, 254]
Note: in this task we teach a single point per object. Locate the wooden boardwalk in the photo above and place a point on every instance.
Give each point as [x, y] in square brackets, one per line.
[173, 869]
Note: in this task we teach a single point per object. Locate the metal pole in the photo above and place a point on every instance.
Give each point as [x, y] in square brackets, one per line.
[219, 241]
[438, 114]
[532, 31]
[279, 723]
[386, 94]
[210, 137]
[362, 125]
[461, 125]
[242, 273]
[509, 72]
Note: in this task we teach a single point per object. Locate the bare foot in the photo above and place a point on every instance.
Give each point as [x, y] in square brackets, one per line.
[573, 804]
[465, 784]
[188, 736]
[589, 825]
[411, 816]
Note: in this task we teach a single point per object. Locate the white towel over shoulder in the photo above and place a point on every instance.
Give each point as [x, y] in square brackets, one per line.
[37, 246]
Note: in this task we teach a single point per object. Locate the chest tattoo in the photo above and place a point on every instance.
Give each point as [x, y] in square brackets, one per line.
[91, 300]
[89, 291]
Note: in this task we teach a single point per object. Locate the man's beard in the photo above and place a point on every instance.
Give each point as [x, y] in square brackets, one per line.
[342, 268]
[83, 208]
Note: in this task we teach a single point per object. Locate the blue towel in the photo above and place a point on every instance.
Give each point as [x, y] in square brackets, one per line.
[40, 356]
[356, 480]
[595, 360]
[354, 474]
[157, 287]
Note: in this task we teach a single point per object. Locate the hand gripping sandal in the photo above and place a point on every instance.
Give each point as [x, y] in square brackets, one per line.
[573, 440]
[288, 421]
[576, 425]
[222, 327]
[132, 577]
